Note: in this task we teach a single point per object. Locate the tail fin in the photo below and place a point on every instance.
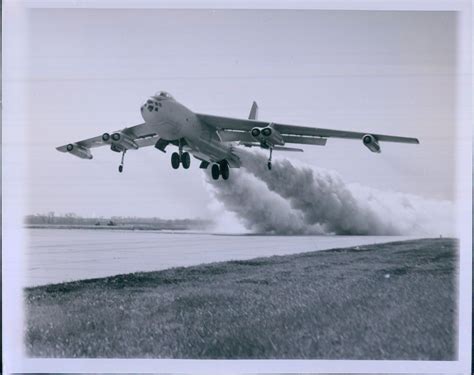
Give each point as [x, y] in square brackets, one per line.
[253, 111]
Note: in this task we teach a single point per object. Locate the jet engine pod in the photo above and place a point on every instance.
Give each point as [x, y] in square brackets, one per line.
[123, 140]
[79, 151]
[255, 132]
[267, 136]
[272, 136]
[105, 137]
[371, 143]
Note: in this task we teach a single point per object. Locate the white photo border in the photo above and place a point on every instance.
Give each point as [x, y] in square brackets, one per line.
[14, 179]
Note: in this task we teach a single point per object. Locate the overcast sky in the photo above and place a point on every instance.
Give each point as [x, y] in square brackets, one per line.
[90, 70]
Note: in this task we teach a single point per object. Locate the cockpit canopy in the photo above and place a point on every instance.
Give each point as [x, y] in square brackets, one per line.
[163, 95]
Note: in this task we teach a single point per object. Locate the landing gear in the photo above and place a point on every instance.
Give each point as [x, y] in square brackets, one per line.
[180, 157]
[204, 164]
[221, 169]
[224, 169]
[175, 160]
[269, 164]
[120, 168]
[185, 160]
[215, 171]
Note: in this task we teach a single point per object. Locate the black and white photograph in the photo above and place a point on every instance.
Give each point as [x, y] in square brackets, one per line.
[187, 188]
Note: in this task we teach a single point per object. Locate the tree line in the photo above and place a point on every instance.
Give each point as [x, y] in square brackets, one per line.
[51, 218]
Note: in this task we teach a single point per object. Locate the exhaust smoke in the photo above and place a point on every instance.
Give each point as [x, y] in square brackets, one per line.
[259, 209]
[293, 199]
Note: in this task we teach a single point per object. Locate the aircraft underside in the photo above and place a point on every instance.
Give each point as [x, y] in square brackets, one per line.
[219, 157]
[220, 166]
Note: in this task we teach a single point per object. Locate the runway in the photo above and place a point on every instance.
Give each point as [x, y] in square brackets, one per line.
[60, 255]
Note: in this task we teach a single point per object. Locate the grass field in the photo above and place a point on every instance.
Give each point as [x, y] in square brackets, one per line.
[389, 301]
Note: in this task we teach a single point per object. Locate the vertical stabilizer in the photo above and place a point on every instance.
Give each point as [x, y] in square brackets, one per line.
[253, 111]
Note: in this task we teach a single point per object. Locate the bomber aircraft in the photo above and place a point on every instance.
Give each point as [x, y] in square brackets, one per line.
[213, 139]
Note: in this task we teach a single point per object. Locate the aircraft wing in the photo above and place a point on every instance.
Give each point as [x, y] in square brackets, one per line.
[133, 137]
[292, 132]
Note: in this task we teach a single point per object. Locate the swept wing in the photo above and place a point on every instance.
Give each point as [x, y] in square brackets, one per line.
[232, 129]
[133, 137]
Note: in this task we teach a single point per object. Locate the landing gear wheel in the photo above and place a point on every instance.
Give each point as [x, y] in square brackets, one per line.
[186, 160]
[215, 171]
[225, 170]
[175, 160]
[120, 168]
[269, 164]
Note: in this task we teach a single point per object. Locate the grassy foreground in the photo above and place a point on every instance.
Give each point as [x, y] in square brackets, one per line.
[388, 301]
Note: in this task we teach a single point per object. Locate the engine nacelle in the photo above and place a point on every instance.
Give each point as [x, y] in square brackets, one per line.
[255, 132]
[122, 140]
[79, 151]
[371, 143]
[268, 136]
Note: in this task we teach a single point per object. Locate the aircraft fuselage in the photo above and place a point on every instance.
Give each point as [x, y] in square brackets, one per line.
[174, 122]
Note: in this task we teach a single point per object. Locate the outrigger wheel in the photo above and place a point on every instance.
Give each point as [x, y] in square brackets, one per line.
[175, 160]
[269, 164]
[120, 168]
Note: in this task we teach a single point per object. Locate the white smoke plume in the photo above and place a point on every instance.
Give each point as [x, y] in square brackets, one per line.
[293, 199]
[259, 209]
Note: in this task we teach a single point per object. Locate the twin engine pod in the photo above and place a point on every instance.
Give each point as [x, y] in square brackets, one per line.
[266, 132]
[79, 151]
[371, 143]
[267, 135]
[119, 141]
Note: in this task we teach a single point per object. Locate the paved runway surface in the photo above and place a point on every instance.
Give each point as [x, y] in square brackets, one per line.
[59, 255]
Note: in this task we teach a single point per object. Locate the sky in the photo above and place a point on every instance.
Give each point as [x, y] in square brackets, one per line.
[90, 70]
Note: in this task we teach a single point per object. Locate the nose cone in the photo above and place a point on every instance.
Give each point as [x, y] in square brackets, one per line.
[149, 108]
